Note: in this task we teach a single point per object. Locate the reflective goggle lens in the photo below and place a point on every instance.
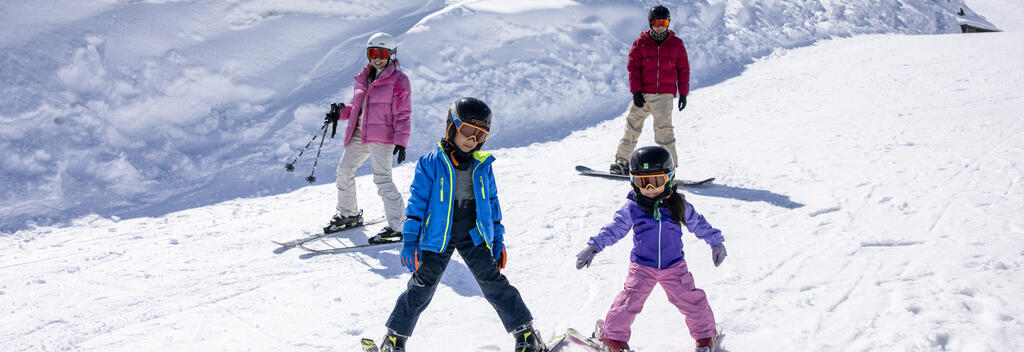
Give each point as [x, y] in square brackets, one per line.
[650, 181]
[472, 132]
[659, 23]
[379, 53]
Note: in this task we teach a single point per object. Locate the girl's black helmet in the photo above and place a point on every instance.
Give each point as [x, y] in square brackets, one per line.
[651, 160]
[658, 13]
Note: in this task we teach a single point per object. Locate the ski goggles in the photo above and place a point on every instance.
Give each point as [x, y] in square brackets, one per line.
[379, 53]
[469, 131]
[651, 181]
[659, 23]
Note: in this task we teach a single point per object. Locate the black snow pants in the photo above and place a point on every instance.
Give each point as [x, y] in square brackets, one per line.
[496, 289]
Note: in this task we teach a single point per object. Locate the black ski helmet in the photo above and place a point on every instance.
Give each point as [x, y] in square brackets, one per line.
[468, 110]
[651, 160]
[658, 13]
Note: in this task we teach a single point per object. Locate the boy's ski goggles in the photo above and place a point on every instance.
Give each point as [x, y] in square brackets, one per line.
[659, 23]
[651, 181]
[379, 53]
[467, 130]
[471, 132]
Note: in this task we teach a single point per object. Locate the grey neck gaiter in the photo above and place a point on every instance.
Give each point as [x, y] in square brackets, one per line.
[658, 37]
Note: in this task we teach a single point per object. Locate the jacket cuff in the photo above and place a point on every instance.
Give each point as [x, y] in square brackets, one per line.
[409, 238]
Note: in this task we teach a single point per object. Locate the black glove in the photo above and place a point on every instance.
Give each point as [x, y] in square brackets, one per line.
[638, 99]
[335, 113]
[682, 102]
[400, 150]
[331, 118]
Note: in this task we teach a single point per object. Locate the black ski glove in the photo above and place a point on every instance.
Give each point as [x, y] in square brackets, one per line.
[682, 102]
[331, 118]
[638, 99]
[400, 150]
[334, 114]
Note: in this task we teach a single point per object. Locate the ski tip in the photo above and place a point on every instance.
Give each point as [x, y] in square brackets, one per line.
[368, 345]
[582, 168]
[555, 342]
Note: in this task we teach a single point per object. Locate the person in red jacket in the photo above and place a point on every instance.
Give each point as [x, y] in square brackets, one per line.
[658, 68]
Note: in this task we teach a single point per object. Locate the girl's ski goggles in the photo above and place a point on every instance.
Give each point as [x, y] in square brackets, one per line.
[659, 23]
[467, 130]
[651, 181]
[379, 53]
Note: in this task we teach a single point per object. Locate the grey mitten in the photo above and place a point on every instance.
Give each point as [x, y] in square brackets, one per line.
[718, 254]
[585, 257]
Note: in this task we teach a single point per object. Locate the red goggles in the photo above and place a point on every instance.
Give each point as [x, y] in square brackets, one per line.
[471, 132]
[659, 23]
[651, 181]
[379, 53]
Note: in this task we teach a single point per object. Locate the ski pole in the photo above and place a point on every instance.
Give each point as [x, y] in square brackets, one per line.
[312, 178]
[291, 166]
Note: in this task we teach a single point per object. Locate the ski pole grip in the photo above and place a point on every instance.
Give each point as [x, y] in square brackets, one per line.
[335, 111]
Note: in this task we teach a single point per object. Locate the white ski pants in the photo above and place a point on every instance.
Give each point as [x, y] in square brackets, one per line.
[380, 162]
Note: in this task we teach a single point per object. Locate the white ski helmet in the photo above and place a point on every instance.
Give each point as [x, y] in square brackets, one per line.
[383, 40]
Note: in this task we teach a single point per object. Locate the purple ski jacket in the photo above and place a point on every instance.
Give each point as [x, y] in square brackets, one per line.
[387, 104]
[656, 243]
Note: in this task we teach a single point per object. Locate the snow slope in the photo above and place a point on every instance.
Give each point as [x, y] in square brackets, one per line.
[867, 189]
[140, 108]
[1006, 15]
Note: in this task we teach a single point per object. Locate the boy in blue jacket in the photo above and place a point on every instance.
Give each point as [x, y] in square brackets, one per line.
[454, 206]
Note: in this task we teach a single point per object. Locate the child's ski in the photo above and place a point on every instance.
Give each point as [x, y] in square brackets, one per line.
[289, 244]
[583, 170]
[593, 341]
[716, 344]
[334, 250]
[555, 344]
[551, 346]
[369, 345]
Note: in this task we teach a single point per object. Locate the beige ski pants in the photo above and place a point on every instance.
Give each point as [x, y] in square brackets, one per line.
[659, 105]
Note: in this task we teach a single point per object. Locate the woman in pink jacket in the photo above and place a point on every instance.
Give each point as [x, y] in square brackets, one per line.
[378, 127]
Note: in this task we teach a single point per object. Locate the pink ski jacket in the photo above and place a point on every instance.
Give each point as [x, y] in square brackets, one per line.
[387, 105]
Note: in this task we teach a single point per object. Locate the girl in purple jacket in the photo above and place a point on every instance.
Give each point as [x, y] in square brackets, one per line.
[656, 212]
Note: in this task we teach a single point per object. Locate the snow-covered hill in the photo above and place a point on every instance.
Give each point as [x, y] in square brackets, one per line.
[869, 190]
[139, 108]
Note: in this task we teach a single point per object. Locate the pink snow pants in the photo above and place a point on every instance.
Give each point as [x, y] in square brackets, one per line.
[678, 285]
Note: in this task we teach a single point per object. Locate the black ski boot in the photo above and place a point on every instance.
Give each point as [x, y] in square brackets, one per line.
[339, 222]
[528, 339]
[393, 342]
[387, 235]
[620, 167]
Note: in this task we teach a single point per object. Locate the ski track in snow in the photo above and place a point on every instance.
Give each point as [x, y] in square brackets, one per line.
[869, 190]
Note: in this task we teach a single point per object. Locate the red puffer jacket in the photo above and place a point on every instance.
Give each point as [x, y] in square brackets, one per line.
[656, 69]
